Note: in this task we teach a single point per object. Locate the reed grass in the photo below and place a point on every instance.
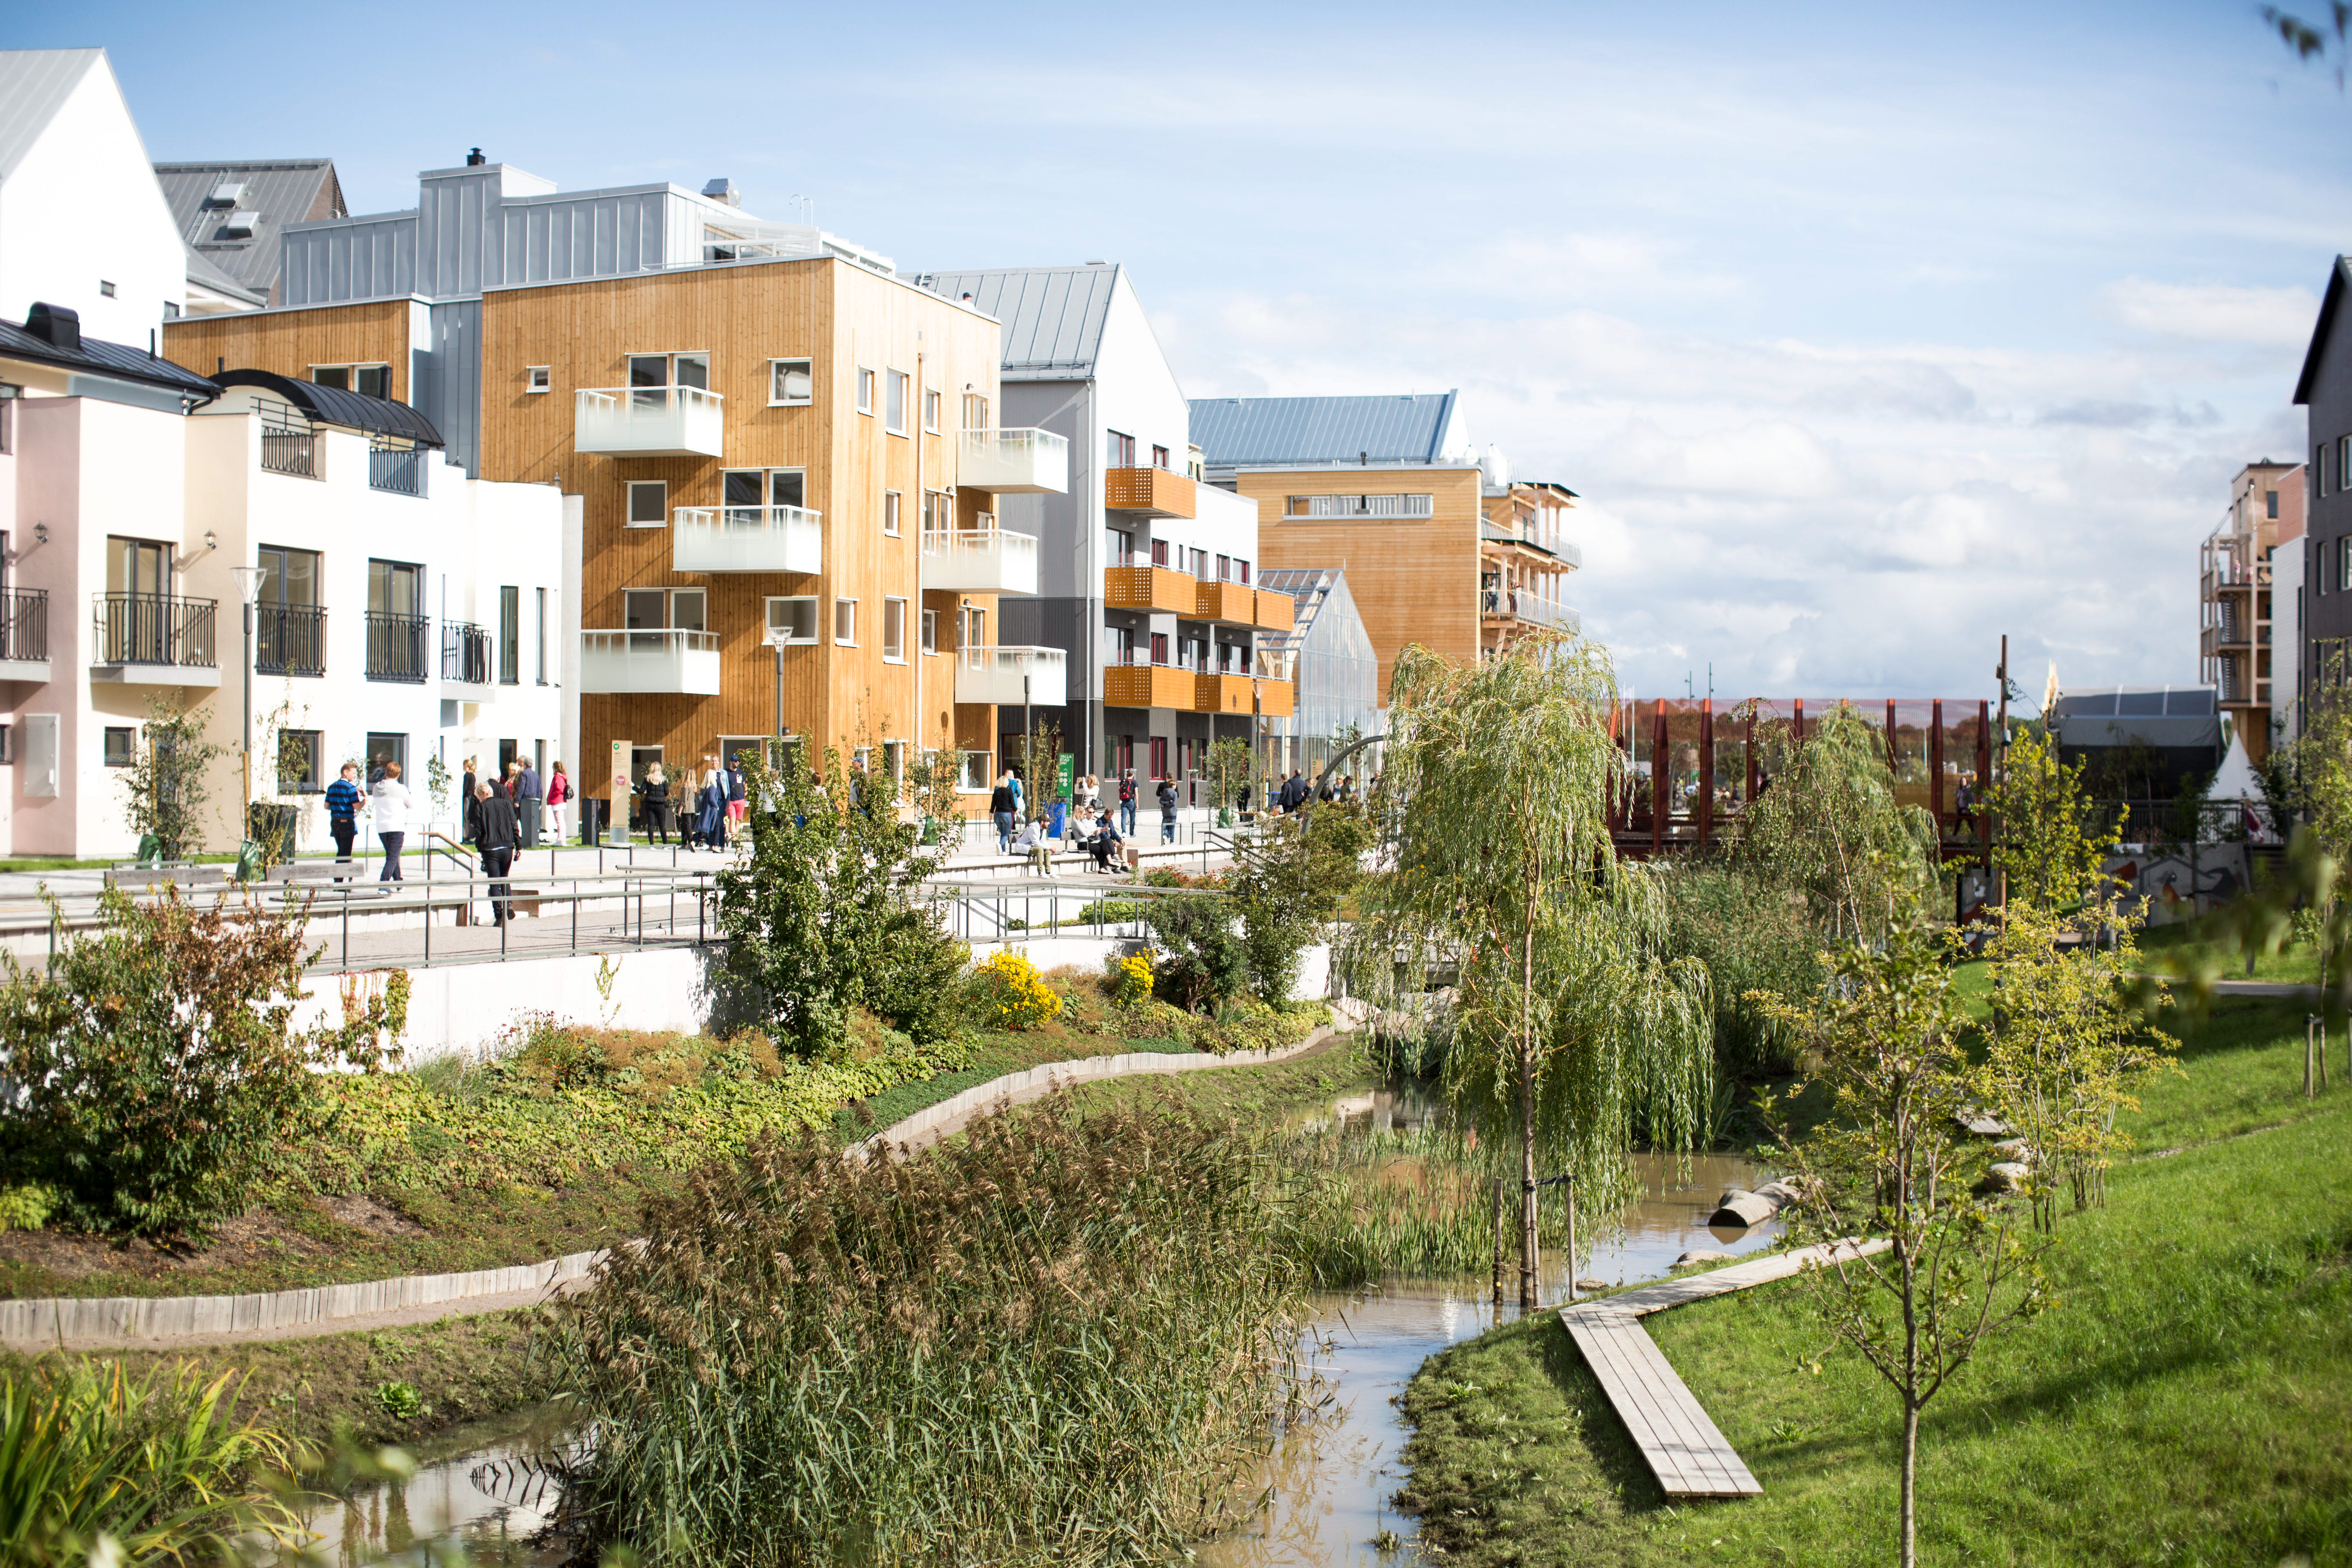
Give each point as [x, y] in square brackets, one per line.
[1059, 1340]
[160, 1466]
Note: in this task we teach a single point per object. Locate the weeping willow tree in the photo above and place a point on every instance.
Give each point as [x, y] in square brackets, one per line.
[1571, 1030]
[1830, 831]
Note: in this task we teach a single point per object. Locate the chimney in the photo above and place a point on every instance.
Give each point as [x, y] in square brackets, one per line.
[474, 160]
[722, 189]
[56, 326]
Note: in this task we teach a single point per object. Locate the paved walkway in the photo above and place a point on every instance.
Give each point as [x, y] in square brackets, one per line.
[1680, 1444]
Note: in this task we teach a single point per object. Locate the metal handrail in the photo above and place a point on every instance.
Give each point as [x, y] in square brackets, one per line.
[396, 647]
[23, 622]
[464, 653]
[154, 628]
[289, 639]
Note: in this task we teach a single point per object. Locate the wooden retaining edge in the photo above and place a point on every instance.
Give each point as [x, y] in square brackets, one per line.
[137, 1321]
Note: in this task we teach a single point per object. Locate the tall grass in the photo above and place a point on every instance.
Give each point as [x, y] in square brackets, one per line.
[1056, 1341]
[160, 1466]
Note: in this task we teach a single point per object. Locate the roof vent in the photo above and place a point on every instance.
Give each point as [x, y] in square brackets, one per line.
[227, 194]
[722, 189]
[239, 224]
[56, 326]
[474, 160]
[1099, 264]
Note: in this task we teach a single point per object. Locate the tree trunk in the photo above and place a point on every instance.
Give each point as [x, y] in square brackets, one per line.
[1528, 1122]
[1910, 1483]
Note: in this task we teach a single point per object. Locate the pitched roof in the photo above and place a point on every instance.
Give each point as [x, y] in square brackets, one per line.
[98, 357]
[276, 191]
[34, 84]
[1415, 430]
[205, 274]
[2337, 277]
[334, 406]
[1053, 316]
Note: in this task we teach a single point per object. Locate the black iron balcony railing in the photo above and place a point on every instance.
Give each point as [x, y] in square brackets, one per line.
[153, 628]
[464, 653]
[396, 647]
[396, 468]
[290, 449]
[289, 639]
[23, 622]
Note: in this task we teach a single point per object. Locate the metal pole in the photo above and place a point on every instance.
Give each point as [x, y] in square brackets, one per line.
[246, 744]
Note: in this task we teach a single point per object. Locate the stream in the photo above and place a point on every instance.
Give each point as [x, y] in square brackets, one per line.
[1328, 1482]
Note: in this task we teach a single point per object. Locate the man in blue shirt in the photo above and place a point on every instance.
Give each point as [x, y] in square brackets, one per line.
[343, 813]
[526, 804]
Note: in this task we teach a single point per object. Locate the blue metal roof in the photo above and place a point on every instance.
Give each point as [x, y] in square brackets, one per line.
[1053, 316]
[1281, 432]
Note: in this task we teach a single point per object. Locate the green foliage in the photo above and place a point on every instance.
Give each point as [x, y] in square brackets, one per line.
[2051, 848]
[1202, 959]
[437, 783]
[1289, 886]
[159, 1077]
[97, 1466]
[165, 788]
[400, 1400]
[1750, 933]
[1230, 765]
[824, 918]
[26, 1205]
[1830, 828]
[1050, 1340]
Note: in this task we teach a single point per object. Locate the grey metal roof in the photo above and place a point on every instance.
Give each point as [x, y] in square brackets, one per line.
[333, 405]
[201, 270]
[279, 191]
[1414, 429]
[99, 357]
[2184, 716]
[1053, 316]
[34, 84]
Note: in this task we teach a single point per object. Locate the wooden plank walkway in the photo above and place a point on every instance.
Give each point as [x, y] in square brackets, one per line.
[1681, 1445]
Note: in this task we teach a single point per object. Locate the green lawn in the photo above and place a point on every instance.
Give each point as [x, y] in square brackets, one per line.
[2186, 1402]
[2189, 942]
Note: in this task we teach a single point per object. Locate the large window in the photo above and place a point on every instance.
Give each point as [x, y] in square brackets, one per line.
[1360, 507]
[790, 382]
[670, 370]
[764, 487]
[395, 621]
[374, 380]
[975, 412]
[289, 631]
[383, 747]
[1122, 450]
[509, 637]
[796, 617]
[894, 406]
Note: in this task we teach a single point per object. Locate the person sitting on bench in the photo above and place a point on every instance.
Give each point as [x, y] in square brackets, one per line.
[1106, 841]
[1036, 841]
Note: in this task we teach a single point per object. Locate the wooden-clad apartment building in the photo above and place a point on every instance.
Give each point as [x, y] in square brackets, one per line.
[781, 460]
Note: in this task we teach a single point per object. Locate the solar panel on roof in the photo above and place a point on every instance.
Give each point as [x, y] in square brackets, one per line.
[2142, 704]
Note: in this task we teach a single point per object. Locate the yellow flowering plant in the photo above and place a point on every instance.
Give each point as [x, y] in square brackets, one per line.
[1013, 994]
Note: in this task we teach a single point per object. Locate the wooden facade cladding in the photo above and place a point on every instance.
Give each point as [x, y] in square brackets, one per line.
[288, 343]
[1149, 686]
[1276, 699]
[1416, 579]
[1230, 604]
[1223, 694]
[1151, 588]
[1155, 492]
[1276, 611]
[844, 319]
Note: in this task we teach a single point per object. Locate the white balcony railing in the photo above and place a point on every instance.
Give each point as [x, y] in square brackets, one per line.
[980, 561]
[1014, 462]
[649, 422]
[1522, 606]
[1011, 676]
[746, 539]
[649, 661]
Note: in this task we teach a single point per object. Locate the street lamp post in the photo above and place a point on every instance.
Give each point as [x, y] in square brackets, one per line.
[248, 589]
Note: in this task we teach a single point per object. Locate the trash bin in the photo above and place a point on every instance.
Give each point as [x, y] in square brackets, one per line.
[591, 819]
[1057, 823]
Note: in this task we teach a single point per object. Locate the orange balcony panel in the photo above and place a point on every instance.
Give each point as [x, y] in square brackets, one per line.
[1227, 601]
[1223, 694]
[1147, 685]
[1276, 699]
[1149, 588]
[1154, 492]
[1275, 611]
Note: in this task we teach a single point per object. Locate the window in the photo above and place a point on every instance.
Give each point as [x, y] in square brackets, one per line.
[300, 753]
[648, 503]
[1119, 644]
[287, 626]
[1200, 567]
[930, 631]
[763, 486]
[1122, 547]
[1122, 450]
[894, 631]
[171, 309]
[975, 412]
[844, 621]
[2270, 502]
[509, 637]
[1160, 648]
[1244, 571]
[865, 390]
[2344, 565]
[670, 370]
[972, 628]
[122, 743]
[537, 378]
[973, 771]
[796, 618]
[1358, 507]
[2343, 458]
[930, 411]
[894, 760]
[106, 288]
[686, 610]
[1159, 756]
[371, 380]
[1159, 455]
[1125, 752]
[2319, 470]
[1224, 568]
[539, 647]
[1159, 552]
[890, 513]
[790, 382]
[894, 408]
[938, 514]
[382, 748]
[644, 609]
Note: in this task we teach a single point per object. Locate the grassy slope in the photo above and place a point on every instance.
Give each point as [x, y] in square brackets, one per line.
[2185, 1403]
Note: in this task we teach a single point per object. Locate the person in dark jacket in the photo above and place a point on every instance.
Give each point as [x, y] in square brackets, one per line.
[656, 791]
[1107, 841]
[343, 813]
[465, 804]
[1002, 803]
[1167, 811]
[501, 835]
[530, 795]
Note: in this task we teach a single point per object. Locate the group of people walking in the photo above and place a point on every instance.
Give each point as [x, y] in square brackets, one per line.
[498, 816]
[713, 805]
[1091, 825]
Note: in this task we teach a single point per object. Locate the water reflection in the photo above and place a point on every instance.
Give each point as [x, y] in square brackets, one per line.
[491, 1489]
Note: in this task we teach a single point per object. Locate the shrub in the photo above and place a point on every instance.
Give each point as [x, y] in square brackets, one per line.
[1013, 994]
[1288, 888]
[157, 1075]
[26, 1205]
[1203, 960]
[1128, 979]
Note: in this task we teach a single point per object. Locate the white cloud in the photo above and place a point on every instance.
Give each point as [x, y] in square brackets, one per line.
[2214, 312]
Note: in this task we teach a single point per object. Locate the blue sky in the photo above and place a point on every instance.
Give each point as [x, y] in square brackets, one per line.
[1868, 332]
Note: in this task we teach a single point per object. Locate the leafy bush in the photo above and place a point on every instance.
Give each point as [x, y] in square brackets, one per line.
[1012, 994]
[157, 1074]
[1067, 1331]
[1128, 979]
[1203, 960]
[400, 1400]
[1288, 888]
[1752, 935]
[28, 1206]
